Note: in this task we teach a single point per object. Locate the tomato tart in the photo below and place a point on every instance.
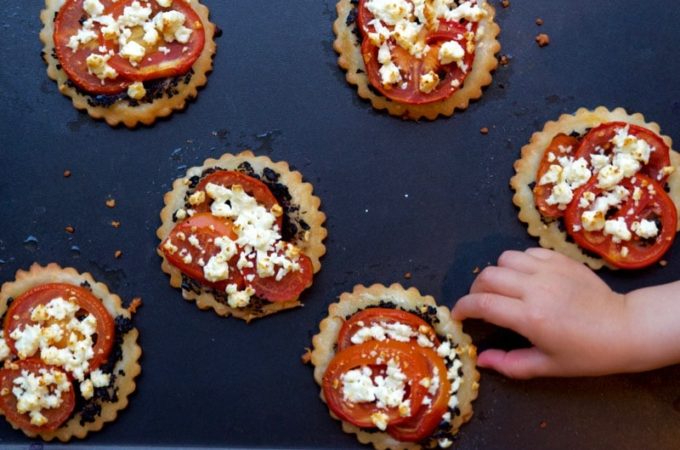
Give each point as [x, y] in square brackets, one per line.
[395, 368]
[242, 235]
[417, 58]
[601, 187]
[128, 61]
[69, 351]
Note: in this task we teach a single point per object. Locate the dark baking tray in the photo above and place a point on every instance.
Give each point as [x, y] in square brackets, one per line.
[428, 198]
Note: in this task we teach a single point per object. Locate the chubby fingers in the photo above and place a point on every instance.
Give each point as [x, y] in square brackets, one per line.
[521, 364]
[503, 311]
[520, 261]
[500, 280]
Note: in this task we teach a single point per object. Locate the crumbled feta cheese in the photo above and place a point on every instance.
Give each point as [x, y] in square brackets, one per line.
[561, 194]
[136, 90]
[428, 82]
[593, 220]
[406, 33]
[384, 330]
[197, 198]
[4, 348]
[217, 268]
[646, 229]
[39, 392]
[599, 161]
[97, 65]
[134, 15]
[609, 176]
[164, 3]
[171, 25]
[100, 379]
[87, 389]
[389, 11]
[380, 419]
[239, 299]
[449, 10]
[389, 72]
[618, 230]
[93, 7]
[451, 51]
[627, 163]
[133, 52]
[83, 36]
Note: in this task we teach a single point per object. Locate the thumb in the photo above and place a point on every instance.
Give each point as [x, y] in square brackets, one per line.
[522, 364]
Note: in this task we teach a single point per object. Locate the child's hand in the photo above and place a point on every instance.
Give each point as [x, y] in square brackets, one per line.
[578, 326]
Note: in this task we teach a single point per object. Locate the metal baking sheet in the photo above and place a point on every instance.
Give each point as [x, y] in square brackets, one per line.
[428, 198]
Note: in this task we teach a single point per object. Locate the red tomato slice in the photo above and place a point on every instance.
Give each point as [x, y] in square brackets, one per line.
[371, 316]
[176, 60]
[602, 135]
[427, 418]
[8, 402]
[543, 192]
[412, 69]
[411, 362]
[19, 315]
[288, 288]
[251, 186]
[73, 63]
[656, 206]
[205, 228]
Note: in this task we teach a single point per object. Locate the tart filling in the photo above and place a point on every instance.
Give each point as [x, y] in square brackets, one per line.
[608, 180]
[395, 368]
[127, 61]
[242, 235]
[417, 58]
[69, 352]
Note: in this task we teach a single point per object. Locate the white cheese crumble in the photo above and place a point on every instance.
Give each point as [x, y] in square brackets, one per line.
[566, 176]
[389, 11]
[451, 51]
[428, 82]
[171, 25]
[93, 7]
[164, 3]
[38, 392]
[217, 267]
[618, 230]
[388, 391]
[136, 90]
[4, 348]
[98, 66]
[239, 299]
[389, 72]
[63, 339]
[258, 232]
[133, 52]
[646, 229]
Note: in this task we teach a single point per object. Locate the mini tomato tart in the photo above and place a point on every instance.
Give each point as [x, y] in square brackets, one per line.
[69, 350]
[128, 61]
[395, 368]
[417, 58]
[242, 235]
[601, 187]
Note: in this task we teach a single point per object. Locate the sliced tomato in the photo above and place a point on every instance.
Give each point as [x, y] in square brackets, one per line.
[19, 315]
[374, 316]
[288, 288]
[66, 25]
[251, 186]
[411, 68]
[187, 256]
[175, 59]
[8, 402]
[427, 418]
[601, 136]
[542, 192]
[375, 355]
[654, 205]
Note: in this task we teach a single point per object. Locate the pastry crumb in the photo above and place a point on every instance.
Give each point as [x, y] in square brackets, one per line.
[408, 275]
[542, 40]
[67, 173]
[476, 270]
[134, 304]
[484, 130]
[115, 224]
[505, 3]
[663, 263]
[543, 424]
[118, 254]
[505, 60]
[307, 356]
[539, 21]
[69, 229]
[111, 203]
